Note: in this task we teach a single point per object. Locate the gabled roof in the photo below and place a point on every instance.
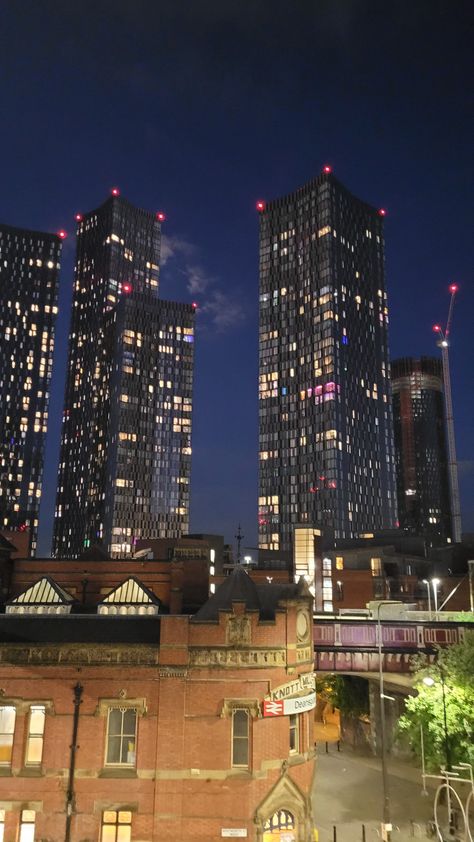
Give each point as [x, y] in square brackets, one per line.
[131, 592]
[239, 587]
[44, 592]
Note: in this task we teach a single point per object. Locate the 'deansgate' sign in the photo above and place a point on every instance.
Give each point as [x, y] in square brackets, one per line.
[285, 707]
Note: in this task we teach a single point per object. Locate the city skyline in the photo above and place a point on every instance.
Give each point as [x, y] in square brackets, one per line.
[326, 431]
[229, 108]
[29, 275]
[125, 457]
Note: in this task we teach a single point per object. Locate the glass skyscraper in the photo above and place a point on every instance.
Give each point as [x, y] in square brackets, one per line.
[29, 272]
[125, 459]
[421, 447]
[325, 429]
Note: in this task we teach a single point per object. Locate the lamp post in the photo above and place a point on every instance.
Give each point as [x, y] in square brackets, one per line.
[430, 682]
[435, 583]
[426, 582]
[386, 825]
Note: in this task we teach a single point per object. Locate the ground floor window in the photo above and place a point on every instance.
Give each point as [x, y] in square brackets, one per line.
[280, 827]
[27, 826]
[116, 826]
[2, 824]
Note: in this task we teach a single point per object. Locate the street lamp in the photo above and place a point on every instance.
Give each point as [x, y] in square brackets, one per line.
[386, 825]
[428, 681]
[435, 583]
[426, 582]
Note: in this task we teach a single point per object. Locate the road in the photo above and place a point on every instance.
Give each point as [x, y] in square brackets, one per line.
[348, 793]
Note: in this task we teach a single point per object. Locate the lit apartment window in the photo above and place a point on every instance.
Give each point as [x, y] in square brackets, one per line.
[2, 824]
[34, 741]
[376, 566]
[339, 562]
[116, 826]
[121, 737]
[240, 737]
[7, 728]
[294, 733]
[27, 826]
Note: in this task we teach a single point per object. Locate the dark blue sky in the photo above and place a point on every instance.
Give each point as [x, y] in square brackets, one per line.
[198, 109]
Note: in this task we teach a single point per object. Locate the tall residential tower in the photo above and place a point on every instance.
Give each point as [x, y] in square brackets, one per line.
[126, 445]
[29, 272]
[326, 431]
[420, 447]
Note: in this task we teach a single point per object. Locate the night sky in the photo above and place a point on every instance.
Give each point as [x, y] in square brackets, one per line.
[198, 109]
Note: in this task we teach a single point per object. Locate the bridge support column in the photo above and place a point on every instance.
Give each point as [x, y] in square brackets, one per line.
[393, 710]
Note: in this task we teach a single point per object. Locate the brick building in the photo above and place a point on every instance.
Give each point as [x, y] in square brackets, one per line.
[133, 725]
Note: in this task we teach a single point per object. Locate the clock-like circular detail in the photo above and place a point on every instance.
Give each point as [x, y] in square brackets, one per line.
[302, 625]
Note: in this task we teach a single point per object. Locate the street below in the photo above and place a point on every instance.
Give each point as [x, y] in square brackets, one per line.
[348, 794]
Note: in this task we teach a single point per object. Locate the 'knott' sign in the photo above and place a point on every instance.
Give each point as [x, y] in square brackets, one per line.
[305, 683]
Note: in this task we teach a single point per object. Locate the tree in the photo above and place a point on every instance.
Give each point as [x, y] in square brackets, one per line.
[443, 706]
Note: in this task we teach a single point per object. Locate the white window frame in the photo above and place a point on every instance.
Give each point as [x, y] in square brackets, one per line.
[119, 763]
[31, 736]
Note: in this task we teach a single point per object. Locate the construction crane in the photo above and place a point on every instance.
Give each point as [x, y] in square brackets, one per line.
[443, 343]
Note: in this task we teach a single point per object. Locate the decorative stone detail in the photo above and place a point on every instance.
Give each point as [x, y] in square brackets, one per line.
[238, 631]
[252, 705]
[104, 706]
[173, 672]
[79, 654]
[304, 654]
[244, 658]
[122, 694]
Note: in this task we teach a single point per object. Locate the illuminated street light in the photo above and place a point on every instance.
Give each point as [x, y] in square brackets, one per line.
[429, 681]
[426, 582]
[435, 583]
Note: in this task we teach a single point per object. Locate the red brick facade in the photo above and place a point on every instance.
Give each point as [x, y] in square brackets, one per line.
[179, 781]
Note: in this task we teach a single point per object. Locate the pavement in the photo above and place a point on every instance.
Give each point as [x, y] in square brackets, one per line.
[348, 794]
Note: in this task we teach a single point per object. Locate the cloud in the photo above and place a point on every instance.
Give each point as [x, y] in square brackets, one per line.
[219, 310]
[175, 247]
[225, 311]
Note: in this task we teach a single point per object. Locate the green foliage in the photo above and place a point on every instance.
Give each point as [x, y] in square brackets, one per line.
[455, 668]
[348, 693]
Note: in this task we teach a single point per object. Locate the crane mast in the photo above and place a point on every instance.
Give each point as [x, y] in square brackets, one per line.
[443, 343]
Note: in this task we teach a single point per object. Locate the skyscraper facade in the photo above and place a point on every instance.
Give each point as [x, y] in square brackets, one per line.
[420, 447]
[326, 428]
[125, 459]
[29, 272]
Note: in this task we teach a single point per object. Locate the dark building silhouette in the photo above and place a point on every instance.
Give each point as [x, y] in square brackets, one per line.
[420, 446]
[29, 271]
[326, 433]
[125, 460]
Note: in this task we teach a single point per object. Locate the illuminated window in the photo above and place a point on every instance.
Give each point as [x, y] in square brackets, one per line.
[240, 737]
[116, 826]
[376, 566]
[2, 824]
[34, 742]
[27, 826]
[121, 737]
[294, 733]
[7, 729]
[339, 562]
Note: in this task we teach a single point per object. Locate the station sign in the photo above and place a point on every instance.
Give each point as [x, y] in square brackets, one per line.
[234, 832]
[286, 707]
[303, 684]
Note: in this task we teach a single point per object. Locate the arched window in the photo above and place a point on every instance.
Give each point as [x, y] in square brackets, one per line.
[281, 820]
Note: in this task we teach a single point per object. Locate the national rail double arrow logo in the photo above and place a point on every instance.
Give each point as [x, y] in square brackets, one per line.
[271, 708]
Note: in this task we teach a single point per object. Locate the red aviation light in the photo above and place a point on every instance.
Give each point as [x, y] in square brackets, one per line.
[127, 288]
[453, 288]
[161, 216]
[260, 205]
[437, 328]
[62, 234]
[327, 169]
[194, 305]
[382, 212]
[78, 217]
[115, 191]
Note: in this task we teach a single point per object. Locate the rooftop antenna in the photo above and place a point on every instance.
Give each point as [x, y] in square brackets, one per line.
[443, 343]
[239, 538]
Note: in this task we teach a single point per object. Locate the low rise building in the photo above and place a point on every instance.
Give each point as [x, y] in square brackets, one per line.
[129, 724]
